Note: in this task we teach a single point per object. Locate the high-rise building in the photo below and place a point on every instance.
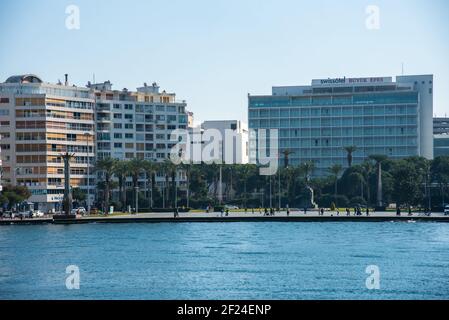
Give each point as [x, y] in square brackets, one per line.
[138, 124]
[376, 114]
[441, 137]
[38, 123]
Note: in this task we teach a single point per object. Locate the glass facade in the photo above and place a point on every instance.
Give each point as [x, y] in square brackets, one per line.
[316, 127]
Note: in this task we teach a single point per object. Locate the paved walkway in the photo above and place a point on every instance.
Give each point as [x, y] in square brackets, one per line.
[295, 216]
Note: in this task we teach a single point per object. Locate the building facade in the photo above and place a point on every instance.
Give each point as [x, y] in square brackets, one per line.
[137, 124]
[441, 137]
[41, 121]
[377, 115]
[238, 132]
[38, 123]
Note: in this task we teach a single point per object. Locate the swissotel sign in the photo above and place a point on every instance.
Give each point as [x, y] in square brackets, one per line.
[345, 80]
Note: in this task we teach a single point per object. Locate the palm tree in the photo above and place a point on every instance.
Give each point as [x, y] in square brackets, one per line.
[106, 166]
[170, 172]
[336, 170]
[121, 170]
[150, 169]
[350, 150]
[378, 158]
[136, 167]
[366, 172]
[307, 169]
[286, 153]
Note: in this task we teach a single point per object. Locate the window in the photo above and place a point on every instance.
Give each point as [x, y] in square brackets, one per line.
[118, 145]
[129, 136]
[117, 125]
[117, 135]
[117, 115]
[128, 106]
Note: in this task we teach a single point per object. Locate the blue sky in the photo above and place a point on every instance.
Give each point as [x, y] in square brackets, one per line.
[213, 53]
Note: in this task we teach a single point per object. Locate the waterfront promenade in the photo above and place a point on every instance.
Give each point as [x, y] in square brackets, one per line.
[294, 216]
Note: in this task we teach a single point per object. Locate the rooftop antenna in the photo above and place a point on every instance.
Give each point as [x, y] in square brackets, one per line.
[93, 78]
[402, 68]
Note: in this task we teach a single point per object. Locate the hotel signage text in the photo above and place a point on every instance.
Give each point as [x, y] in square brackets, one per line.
[345, 80]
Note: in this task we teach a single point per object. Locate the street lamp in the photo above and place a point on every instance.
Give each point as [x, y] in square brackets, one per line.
[87, 135]
[137, 200]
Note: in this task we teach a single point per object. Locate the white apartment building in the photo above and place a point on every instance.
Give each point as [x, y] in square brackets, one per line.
[38, 122]
[137, 124]
[235, 130]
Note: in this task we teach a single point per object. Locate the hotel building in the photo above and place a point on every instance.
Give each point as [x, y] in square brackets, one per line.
[377, 115]
[38, 122]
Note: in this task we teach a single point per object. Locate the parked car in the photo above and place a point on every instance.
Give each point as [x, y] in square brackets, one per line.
[446, 210]
[231, 207]
[38, 214]
[8, 214]
[80, 210]
[25, 214]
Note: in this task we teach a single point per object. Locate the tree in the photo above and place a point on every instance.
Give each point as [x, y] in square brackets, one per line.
[379, 158]
[78, 195]
[150, 169]
[307, 169]
[106, 167]
[335, 170]
[121, 171]
[440, 174]
[407, 184]
[135, 167]
[350, 150]
[286, 153]
[13, 195]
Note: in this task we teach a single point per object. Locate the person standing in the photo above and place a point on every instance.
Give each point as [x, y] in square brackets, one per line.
[398, 211]
[348, 213]
[367, 211]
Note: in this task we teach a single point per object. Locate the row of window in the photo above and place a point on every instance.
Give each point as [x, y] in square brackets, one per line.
[332, 122]
[334, 111]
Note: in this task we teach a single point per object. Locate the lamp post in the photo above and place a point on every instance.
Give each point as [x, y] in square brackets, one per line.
[137, 200]
[87, 135]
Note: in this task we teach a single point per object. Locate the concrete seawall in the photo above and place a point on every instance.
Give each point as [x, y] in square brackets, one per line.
[235, 217]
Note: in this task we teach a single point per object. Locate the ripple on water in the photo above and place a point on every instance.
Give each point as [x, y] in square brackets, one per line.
[219, 261]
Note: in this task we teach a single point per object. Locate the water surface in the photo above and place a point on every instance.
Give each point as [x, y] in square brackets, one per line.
[226, 260]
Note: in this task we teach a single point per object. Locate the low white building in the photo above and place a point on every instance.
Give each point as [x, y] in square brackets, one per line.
[237, 150]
